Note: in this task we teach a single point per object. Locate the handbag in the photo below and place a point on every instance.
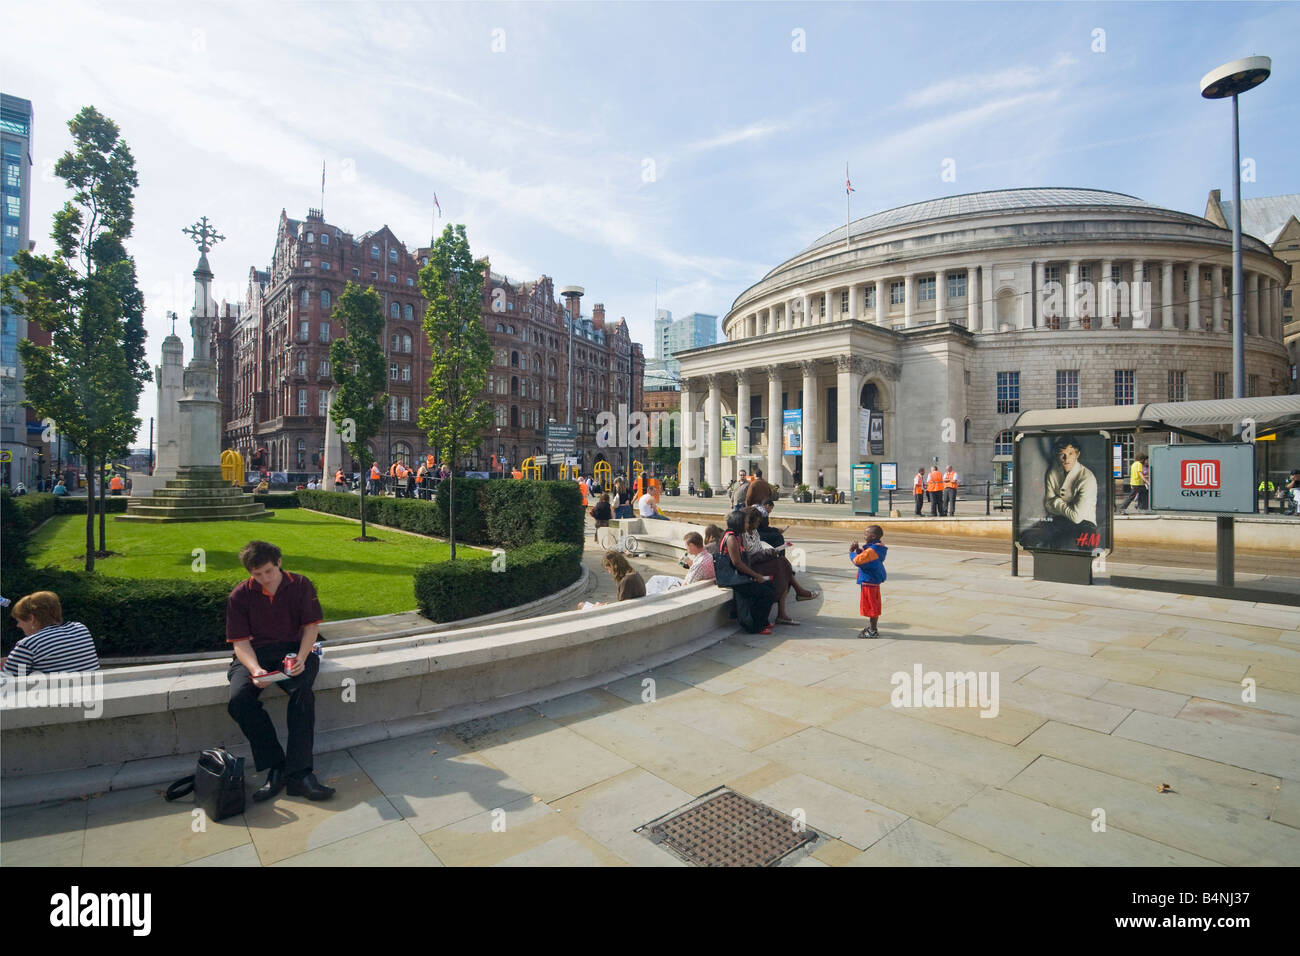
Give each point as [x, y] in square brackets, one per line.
[217, 784]
[724, 571]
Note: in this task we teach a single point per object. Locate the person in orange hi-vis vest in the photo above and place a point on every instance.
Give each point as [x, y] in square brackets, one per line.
[918, 489]
[339, 482]
[934, 487]
[583, 487]
[950, 483]
[419, 480]
[374, 477]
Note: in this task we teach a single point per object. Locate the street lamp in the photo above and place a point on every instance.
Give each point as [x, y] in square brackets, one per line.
[573, 304]
[1232, 79]
[500, 452]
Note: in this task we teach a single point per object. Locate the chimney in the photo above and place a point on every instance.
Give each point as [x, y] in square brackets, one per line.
[598, 315]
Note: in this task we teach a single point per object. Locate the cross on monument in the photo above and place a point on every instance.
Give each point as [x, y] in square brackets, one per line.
[173, 316]
[203, 234]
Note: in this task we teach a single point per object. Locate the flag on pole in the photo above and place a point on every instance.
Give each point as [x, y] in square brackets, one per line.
[322, 176]
[436, 204]
[848, 186]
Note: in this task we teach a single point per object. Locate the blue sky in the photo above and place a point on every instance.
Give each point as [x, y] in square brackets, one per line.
[613, 145]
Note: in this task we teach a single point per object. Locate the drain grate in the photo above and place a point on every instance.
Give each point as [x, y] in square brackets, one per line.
[731, 830]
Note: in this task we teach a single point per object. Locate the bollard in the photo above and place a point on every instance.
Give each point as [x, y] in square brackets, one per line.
[988, 487]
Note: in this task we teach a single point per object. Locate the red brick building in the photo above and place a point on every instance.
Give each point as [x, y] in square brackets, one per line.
[272, 353]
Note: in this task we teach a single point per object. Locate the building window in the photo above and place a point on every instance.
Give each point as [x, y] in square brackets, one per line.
[869, 302]
[410, 281]
[302, 402]
[957, 286]
[1286, 298]
[304, 330]
[395, 311]
[374, 252]
[392, 278]
[1051, 274]
[406, 373]
[844, 301]
[306, 264]
[322, 399]
[392, 407]
[13, 207]
[406, 408]
[925, 289]
[324, 239]
[356, 272]
[832, 413]
[13, 175]
[1220, 384]
[1085, 273]
[406, 342]
[897, 292]
[1125, 386]
[1067, 388]
[324, 368]
[1177, 385]
[392, 255]
[1187, 281]
[325, 298]
[1005, 443]
[325, 265]
[1125, 441]
[374, 275]
[306, 297]
[311, 237]
[1252, 386]
[1008, 394]
[324, 331]
[302, 364]
[393, 371]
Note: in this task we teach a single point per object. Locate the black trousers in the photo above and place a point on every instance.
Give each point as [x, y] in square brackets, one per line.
[920, 502]
[256, 724]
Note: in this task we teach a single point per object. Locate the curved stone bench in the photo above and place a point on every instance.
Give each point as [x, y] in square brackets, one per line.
[655, 537]
[156, 718]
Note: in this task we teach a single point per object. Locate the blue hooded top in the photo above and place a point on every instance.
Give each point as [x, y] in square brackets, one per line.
[870, 562]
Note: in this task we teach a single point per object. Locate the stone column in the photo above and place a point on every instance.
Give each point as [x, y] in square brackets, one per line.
[1071, 294]
[810, 424]
[940, 296]
[1141, 301]
[848, 384]
[742, 419]
[1252, 303]
[1193, 297]
[988, 288]
[909, 300]
[974, 288]
[690, 434]
[1216, 297]
[853, 302]
[1265, 306]
[806, 319]
[169, 376]
[1040, 298]
[1166, 295]
[1106, 297]
[882, 302]
[773, 373]
[713, 412]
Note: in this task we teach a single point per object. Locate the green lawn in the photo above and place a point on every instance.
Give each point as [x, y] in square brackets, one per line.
[352, 579]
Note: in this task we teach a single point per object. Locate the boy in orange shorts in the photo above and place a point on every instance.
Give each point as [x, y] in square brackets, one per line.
[869, 558]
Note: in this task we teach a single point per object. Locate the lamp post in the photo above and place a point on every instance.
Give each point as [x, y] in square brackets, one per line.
[1232, 79]
[573, 304]
[501, 453]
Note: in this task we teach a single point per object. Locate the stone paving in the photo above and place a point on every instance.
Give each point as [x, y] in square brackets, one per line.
[1105, 697]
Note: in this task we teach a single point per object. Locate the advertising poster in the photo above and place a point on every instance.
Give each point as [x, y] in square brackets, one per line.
[864, 432]
[728, 436]
[1061, 502]
[877, 435]
[792, 431]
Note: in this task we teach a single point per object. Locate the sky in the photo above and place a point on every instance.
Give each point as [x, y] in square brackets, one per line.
[658, 154]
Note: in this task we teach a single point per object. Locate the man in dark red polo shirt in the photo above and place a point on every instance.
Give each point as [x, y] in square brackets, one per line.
[272, 614]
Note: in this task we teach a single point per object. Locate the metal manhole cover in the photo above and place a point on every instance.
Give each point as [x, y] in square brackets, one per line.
[731, 830]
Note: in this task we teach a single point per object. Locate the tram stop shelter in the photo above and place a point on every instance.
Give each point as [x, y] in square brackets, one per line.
[1216, 429]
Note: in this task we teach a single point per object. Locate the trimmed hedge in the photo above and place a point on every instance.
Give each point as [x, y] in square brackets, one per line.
[511, 514]
[278, 501]
[129, 615]
[468, 587]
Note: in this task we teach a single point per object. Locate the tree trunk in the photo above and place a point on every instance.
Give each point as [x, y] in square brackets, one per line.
[90, 511]
[451, 508]
[103, 508]
[364, 479]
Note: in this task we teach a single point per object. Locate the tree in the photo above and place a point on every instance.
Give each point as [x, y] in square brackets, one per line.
[453, 415]
[88, 380]
[359, 369]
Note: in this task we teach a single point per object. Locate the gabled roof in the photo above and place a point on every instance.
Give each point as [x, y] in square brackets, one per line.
[1266, 217]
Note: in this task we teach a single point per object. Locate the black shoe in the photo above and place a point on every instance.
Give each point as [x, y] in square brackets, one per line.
[274, 784]
[311, 788]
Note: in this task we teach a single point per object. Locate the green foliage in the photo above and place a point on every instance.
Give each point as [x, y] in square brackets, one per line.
[15, 525]
[361, 372]
[88, 380]
[458, 589]
[277, 501]
[130, 616]
[666, 458]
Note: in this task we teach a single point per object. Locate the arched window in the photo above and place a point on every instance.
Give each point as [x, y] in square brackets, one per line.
[965, 432]
[514, 416]
[374, 252]
[870, 397]
[392, 255]
[552, 367]
[537, 362]
[510, 330]
[406, 342]
[302, 453]
[402, 452]
[514, 385]
[395, 310]
[408, 311]
[306, 297]
[311, 237]
[514, 359]
[1004, 444]
[324, 298]
[324, 239]
[395, 344]
[500, 327]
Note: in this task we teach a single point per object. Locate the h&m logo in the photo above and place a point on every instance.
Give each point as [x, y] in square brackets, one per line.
[1199, 474]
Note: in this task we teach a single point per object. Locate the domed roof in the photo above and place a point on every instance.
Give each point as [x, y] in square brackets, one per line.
[997, 200]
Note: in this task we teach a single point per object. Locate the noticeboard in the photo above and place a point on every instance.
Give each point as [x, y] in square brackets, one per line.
[864, 491]
[1217, 479]
[792, 431]
[889, 476]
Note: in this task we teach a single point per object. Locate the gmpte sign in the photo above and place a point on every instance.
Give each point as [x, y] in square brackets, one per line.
[1200, 479]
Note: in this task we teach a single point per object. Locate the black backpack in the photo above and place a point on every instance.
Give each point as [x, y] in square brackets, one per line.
[217, 784]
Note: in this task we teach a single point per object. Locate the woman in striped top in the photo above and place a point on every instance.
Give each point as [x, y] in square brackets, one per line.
[50, 644]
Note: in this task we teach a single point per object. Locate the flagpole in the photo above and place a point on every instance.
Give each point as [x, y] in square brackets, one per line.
[847, 192]
[322, 189]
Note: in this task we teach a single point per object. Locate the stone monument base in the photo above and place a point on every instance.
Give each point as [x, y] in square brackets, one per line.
[197, 493]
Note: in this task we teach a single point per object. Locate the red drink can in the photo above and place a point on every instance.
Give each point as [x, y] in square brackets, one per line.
[289, 661]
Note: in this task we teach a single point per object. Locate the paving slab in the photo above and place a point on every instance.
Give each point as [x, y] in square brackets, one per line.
[393, 844]
[828, 809]
[914, 843]
[1228, 745]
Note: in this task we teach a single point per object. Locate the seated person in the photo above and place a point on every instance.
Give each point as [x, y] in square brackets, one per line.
[602, 512]
[647, 507]
[773, 536]
[712, 538]
[767, 560]
[50, 644]
[630, 583]
[262, 487]
[60, 489]
[697, 560]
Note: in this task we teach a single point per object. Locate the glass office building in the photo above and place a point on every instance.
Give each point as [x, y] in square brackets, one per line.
[15, 202]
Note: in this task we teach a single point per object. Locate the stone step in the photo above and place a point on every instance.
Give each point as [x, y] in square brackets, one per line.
[198, 510]
[198, 492]
[153, 519]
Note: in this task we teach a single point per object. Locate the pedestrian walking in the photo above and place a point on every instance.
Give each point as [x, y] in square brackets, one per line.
[820, 479]
[869, 558]
[1137, 485]
[739, 490]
